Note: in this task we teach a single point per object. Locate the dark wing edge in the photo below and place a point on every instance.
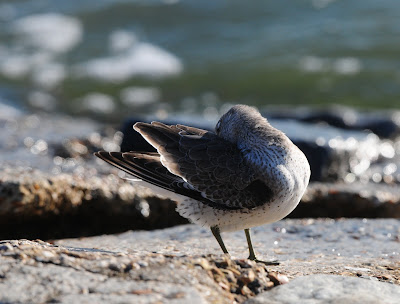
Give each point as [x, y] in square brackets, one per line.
[146, 166]
[126, 162]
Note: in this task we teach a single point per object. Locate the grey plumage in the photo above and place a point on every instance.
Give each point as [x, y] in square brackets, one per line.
[245, 170]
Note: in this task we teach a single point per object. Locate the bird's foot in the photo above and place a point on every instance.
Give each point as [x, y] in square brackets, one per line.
[268, 263]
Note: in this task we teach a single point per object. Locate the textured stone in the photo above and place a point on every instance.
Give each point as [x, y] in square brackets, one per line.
[337, 200]
[384, 124]
[38, 272]
[34, 204]
[174, 265]
[321, 289]
[352, 247]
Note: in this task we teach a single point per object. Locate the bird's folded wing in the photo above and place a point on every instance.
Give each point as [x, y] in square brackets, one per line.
[211, 165]
[147, 167]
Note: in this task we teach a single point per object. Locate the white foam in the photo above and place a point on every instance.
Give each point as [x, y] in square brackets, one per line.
[38, 39]
[52, 32]
[347, 66]
[39, 66]
[139, 96]
[99, 103]
[313, 64]
[7, 111]
[143, 59]
[42, 100]
[14, 65]
[121, 40]
[49, 75]
[344, 66]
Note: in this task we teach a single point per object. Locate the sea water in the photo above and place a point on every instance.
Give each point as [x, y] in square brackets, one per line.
[111, 59]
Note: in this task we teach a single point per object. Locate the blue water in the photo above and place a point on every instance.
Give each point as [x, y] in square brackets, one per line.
[109, 59]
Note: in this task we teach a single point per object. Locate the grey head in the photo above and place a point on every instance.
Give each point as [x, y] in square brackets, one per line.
[244, 124]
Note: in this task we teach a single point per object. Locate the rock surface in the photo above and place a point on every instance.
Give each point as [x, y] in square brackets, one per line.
[321, 289]
[34, 204]
[38, 272]
[385, 124]
[354, 247]
[359, 200]
[174, 266]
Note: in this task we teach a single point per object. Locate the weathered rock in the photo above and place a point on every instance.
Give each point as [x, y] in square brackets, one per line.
[37, 272]
[53, 143]
[360, 200]
[334, 153]
[383, 124]
[34, 204]
[321, 288]
[174, 266]
[352, 247]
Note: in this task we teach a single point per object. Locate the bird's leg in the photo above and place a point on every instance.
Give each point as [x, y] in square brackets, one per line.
[217, 235]
[252, 255]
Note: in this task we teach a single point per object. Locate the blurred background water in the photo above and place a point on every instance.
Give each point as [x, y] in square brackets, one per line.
[110, 59]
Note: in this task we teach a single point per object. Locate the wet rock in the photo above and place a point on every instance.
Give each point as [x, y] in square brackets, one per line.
[360, 200]
[323, 288]
[337, 155]
[65, 145]
[383, 124]
[55, 143]
[35, 204]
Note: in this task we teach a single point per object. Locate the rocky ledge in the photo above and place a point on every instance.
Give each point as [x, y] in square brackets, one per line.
[34, 204]
[322, 261]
